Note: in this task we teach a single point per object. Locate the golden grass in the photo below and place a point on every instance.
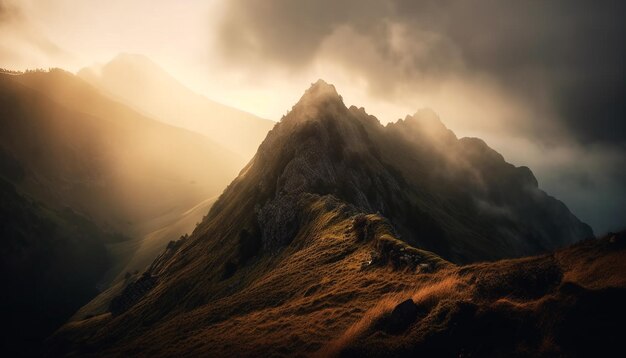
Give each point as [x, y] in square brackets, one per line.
[316, 298]
[427, 293]
[599, 270]
[447, 287]
[383, 306]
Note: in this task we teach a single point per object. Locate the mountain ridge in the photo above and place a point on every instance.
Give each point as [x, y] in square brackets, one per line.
[335, 215]
[363, 130]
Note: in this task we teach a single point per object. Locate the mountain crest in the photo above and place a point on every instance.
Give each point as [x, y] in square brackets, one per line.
[411, 172]
[335, 207]
[318, 101]
[321, 90]
[426, 124]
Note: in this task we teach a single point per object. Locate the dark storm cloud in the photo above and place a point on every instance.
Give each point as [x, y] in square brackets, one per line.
[562, 63]
[567, 54]
[290, 31]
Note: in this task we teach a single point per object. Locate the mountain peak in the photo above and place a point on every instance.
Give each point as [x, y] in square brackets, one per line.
[320, 92]
[426, 124]
[319, 100]
[321, 85]
[428, 118]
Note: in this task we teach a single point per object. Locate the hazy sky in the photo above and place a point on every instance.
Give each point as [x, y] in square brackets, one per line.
[541, 82]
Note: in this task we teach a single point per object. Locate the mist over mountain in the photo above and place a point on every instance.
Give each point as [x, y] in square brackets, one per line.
[346, 237]
[99, 153]
[458, 198]
[140, 83]
[544, 87]
[173, 185]
[91, 189]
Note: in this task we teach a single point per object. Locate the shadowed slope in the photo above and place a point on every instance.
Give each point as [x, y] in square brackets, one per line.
[51, 262]
[86, 178]
[568, 304]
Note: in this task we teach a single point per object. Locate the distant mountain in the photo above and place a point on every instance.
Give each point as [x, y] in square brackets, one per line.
[335, 223]
[143, 85]
[81, 149]
[90, 188]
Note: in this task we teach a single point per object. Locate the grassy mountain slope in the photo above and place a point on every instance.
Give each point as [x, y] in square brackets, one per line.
[335, 216]
[333, 291]
[569, 303]
[77, 167]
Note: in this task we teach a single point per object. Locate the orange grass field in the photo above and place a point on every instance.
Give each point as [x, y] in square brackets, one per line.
[317, 297]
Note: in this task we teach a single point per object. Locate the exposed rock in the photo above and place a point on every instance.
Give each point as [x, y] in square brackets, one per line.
[132, 294]
[441, 193]
[398, 253]
[360, 227]
[400, 318]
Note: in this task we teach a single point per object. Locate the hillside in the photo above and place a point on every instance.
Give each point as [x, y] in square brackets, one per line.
[101, 157]
[142, 84]
[565, 304]
[337, 220]
[51, 263]
[77, 170]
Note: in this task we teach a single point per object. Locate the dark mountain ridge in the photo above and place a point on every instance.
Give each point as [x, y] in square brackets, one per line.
[335, 216]
[458, 198]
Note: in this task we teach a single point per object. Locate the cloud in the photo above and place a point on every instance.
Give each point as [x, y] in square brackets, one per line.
[570, 51]
[24, 44]
[551, 72]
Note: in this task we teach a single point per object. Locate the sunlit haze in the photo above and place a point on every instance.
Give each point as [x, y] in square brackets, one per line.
[181, 37]
[325, 178]
[524, 94]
